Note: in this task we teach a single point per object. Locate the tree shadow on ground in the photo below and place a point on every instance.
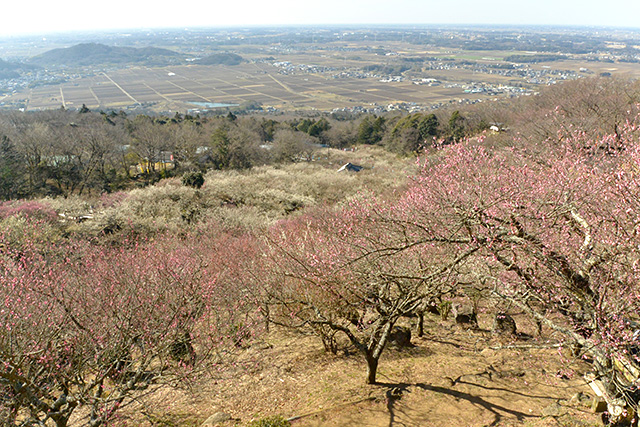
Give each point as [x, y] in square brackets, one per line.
[396, 390]
[506, 390]
[441, 341]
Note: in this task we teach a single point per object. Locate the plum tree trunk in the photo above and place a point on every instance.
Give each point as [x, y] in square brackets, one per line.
[374, 351]
[372, 368]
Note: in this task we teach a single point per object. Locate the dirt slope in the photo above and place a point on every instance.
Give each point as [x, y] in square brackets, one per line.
[452, 377]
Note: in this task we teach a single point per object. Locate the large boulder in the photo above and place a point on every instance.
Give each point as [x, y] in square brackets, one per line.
[465, 316]
[503, 324]
[400, 337]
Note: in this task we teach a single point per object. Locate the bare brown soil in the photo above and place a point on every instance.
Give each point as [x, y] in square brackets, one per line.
[452, 377]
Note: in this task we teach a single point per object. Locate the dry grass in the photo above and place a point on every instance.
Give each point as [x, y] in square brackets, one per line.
[251, 200]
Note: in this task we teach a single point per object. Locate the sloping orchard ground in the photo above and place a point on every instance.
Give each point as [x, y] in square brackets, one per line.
[451, 377]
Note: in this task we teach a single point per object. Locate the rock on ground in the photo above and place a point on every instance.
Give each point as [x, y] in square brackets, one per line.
[218, 417]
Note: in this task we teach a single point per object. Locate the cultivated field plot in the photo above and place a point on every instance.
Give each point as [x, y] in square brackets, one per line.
[176, 88]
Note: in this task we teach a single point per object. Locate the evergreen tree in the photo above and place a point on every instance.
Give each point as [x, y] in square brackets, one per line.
[456, 126]
[221, 144]
[428, 126]
[11, 176]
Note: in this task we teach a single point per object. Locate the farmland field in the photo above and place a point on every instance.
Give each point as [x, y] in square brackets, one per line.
[175, 88]
[303, 75]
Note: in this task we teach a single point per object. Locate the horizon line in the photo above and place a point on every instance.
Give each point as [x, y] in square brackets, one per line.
[510, 26]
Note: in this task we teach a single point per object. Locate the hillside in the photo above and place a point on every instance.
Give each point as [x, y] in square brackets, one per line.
[10, 70]
[443, 380]
[487, 283]
[99, 54]
[221, 59]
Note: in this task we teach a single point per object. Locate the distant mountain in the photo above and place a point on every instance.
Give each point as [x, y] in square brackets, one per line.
[12, 70]
[221, 59]
[99, 54]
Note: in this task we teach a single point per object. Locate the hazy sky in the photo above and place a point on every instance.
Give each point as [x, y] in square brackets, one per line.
[45, 16]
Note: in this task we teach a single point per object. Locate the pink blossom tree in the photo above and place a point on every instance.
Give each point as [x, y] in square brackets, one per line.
[83, 328]
[355, 272]
[552, 228]
[556, 228]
